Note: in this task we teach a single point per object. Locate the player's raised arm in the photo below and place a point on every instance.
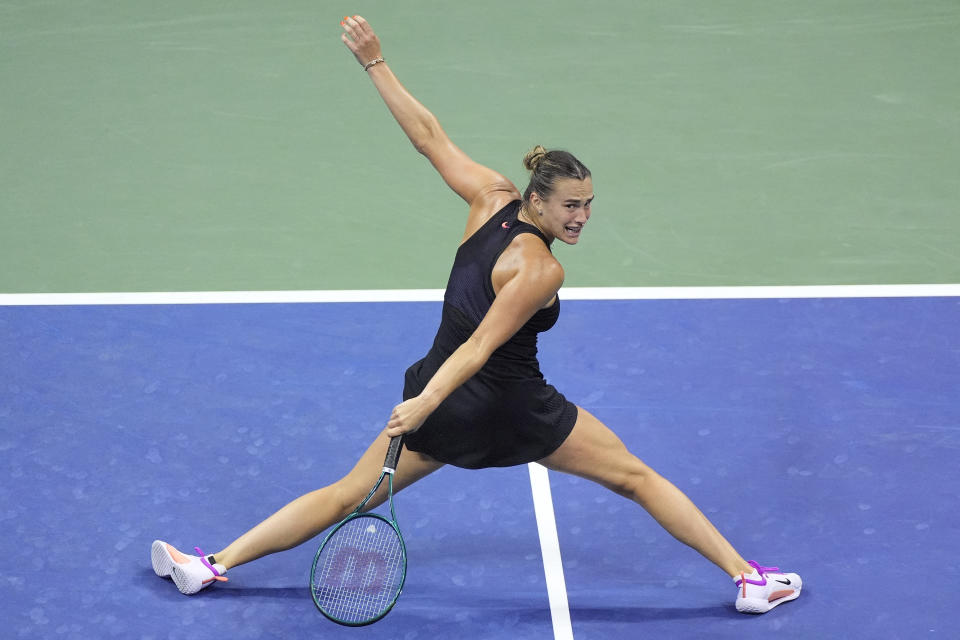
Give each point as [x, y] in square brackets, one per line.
[467, 178]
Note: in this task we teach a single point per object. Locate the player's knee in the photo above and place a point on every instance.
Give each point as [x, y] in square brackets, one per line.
[634, 483]
[345, 498]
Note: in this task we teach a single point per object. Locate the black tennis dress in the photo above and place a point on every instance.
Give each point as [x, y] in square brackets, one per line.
[506, 414]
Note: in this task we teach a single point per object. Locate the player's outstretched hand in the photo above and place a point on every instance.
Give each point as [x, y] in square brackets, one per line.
[359, 37]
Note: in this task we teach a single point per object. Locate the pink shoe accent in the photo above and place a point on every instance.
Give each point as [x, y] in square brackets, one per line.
[178, 557]
[776, 595]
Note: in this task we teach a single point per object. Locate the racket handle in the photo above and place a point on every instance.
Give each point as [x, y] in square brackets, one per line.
[393, 454]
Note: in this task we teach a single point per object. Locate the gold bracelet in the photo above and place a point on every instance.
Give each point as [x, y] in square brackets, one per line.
[376, 60]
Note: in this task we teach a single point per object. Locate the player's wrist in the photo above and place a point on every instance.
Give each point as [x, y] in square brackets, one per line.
[430, 400]
[374, 62]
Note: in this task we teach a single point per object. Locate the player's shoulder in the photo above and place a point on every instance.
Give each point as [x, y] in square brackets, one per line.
[532, 256]
[499, 191]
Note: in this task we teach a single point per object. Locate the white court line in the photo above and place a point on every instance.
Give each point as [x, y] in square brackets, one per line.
[222, 297]
[550, 549]
[435, 295]
[758, 292]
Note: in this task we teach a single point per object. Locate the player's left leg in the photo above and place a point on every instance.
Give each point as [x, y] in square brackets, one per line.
[594, 452]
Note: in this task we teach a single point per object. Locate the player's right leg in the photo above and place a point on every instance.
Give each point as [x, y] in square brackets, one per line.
[298, 521]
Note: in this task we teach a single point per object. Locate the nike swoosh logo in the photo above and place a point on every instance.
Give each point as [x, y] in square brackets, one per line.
[505, 225]
[786, 582]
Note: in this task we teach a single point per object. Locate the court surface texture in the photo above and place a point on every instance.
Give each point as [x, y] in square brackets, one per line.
[819, 434]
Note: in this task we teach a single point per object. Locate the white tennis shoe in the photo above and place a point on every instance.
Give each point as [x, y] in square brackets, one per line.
[189, 573]
[765, 588]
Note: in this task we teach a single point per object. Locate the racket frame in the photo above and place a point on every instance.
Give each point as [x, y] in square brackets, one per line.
[389, 468]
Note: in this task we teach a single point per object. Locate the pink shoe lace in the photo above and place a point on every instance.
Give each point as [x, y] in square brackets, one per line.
[206, 563]
[763, 579]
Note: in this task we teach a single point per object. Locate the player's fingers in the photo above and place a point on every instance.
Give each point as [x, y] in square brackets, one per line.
[364, 26]
[352, 25]
[350, 43]
[397, 427]
[360, 29]
[395, 419]
[401, 430]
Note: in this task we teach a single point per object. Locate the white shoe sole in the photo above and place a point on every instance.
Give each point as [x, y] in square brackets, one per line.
[164, 566]
[161, 559]
[188, 583]
[759, 605]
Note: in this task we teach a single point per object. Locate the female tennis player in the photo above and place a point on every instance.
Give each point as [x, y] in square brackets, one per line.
[478, 398]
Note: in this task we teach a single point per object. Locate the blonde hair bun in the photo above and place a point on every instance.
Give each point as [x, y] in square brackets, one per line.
[534, 157]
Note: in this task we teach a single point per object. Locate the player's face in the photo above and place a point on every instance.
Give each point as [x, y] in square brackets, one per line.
[567, 209]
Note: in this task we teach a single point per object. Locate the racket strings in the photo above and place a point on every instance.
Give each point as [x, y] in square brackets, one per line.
[360, 570]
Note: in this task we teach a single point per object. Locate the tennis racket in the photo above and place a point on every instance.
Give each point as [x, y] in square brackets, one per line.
[359, 570]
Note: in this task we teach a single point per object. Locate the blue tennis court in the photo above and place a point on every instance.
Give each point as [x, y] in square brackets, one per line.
[820, 434]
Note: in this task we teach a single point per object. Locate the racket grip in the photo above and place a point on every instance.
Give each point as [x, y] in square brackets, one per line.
[393, 454]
